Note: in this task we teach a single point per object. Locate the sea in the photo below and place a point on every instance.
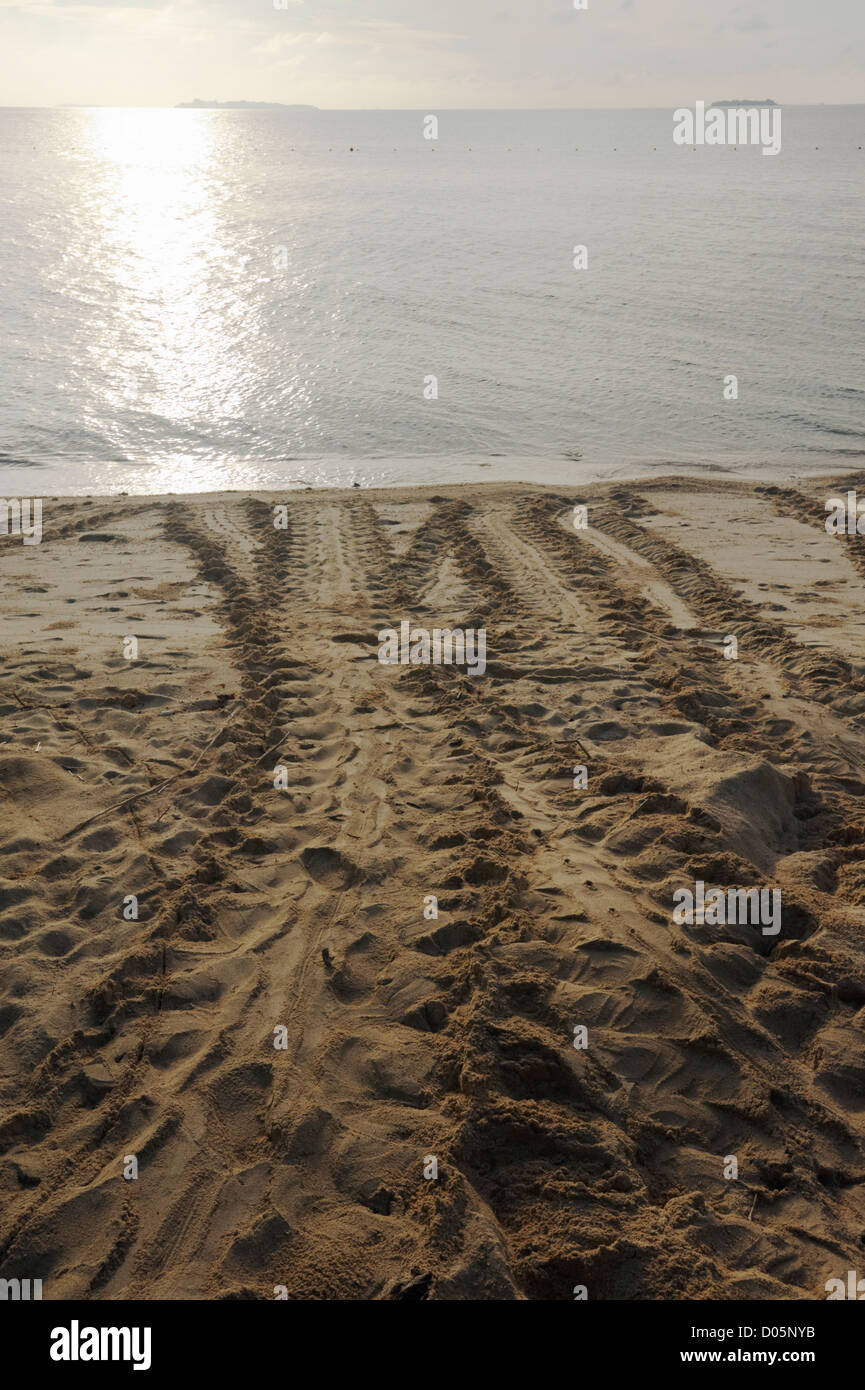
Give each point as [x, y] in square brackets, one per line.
[204, 299]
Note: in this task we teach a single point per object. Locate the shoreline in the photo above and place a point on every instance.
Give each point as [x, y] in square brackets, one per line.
[365, 475]
[700, 480]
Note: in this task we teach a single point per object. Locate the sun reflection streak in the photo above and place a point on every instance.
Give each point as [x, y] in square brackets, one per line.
[172, 310]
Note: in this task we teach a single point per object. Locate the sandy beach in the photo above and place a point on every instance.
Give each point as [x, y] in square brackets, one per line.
[243, 1050]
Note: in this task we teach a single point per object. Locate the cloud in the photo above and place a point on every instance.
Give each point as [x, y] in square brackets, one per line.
[427, 52]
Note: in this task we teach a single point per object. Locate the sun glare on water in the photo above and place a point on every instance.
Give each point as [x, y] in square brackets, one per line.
[171, 308]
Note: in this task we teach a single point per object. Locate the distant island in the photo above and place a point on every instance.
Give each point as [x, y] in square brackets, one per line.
[744, 103]
[239, 105]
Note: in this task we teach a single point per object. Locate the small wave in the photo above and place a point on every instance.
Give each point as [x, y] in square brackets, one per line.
[10, 461]
[840, 430]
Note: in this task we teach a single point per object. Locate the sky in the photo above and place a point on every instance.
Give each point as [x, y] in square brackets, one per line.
[433, 54]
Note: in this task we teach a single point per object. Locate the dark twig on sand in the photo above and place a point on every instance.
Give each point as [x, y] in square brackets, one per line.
[148, 791]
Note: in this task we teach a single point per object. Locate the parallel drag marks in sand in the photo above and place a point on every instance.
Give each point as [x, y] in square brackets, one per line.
[297, 912]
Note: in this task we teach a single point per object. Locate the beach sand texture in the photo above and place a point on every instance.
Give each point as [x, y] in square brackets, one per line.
[408, 1037]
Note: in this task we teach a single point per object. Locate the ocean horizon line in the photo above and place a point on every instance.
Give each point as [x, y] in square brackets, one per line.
[233, 104]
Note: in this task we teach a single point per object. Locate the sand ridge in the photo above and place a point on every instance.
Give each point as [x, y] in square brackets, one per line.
[298, 912]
